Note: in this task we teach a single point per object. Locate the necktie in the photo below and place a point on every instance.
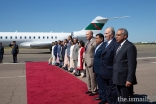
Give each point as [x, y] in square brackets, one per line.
[106, 45]
[87, 45]
[118, 49]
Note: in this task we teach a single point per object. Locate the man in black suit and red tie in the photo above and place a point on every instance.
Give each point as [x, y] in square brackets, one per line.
[124, 67]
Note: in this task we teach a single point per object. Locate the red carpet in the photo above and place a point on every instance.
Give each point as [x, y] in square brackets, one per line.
[47, 84]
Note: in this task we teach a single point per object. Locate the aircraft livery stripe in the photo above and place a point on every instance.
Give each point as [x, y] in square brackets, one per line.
[96, 26]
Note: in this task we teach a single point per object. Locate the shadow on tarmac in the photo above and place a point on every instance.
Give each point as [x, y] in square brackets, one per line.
[143, 99]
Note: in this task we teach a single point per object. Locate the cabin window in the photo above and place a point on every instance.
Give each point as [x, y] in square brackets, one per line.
[6, 37]
[43, 37]
[55, 37]
[39, 37]
[20, 37]
[34, 37]
[25, 37]
[47, 37]
[15, 37]
[51, 37]
[10, 37]
[29, 37]
[1, 37]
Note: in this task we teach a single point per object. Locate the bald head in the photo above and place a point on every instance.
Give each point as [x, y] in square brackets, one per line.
[89, 34]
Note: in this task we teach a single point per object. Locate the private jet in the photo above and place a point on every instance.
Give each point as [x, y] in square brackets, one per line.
[43, 40]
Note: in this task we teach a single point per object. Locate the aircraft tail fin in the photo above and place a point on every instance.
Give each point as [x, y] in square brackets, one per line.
[97, 23]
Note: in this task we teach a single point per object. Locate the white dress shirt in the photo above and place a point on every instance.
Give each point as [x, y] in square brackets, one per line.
[108, 42]
[97, 47]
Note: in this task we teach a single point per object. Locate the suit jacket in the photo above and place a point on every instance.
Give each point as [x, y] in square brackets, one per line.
[55, 50]
[59, 50]
[68, 48]
[1, 50]
[125, 62]
[107, 58]
[89, 53]
[63, 50]
[15, 49]
[97, 61]
[75, 52]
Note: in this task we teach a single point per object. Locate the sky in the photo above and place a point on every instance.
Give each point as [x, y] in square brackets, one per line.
[75, 15]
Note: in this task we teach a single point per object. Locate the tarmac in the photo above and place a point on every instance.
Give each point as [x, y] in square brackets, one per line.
[13, 75]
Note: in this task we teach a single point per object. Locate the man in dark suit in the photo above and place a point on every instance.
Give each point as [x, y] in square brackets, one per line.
[124, 67]
[59, 51]
[1, 52]
[97, 61]
[15, 51]
[65, 65]
[109, 92]
[63, 48]
[55, 51]
[60, 55]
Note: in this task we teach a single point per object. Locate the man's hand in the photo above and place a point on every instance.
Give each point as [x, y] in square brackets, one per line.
[82, 60]
[128, 84]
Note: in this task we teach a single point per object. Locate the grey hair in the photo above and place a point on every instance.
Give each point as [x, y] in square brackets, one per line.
[91, 32]
[112, 30]
[124, 31]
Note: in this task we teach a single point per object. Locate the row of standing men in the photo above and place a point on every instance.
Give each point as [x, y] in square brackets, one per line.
[68, 54]
[110, 66]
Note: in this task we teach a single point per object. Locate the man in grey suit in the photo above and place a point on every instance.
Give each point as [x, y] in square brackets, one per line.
[124, 67]
[75, 56]
[89, 57]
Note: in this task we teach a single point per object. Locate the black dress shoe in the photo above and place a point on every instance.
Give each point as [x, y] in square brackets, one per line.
[92, 94]
[97, 98]
[76, 74]
[88, 92]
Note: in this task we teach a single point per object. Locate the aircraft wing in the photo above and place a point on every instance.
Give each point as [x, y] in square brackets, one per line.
[36, 44]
